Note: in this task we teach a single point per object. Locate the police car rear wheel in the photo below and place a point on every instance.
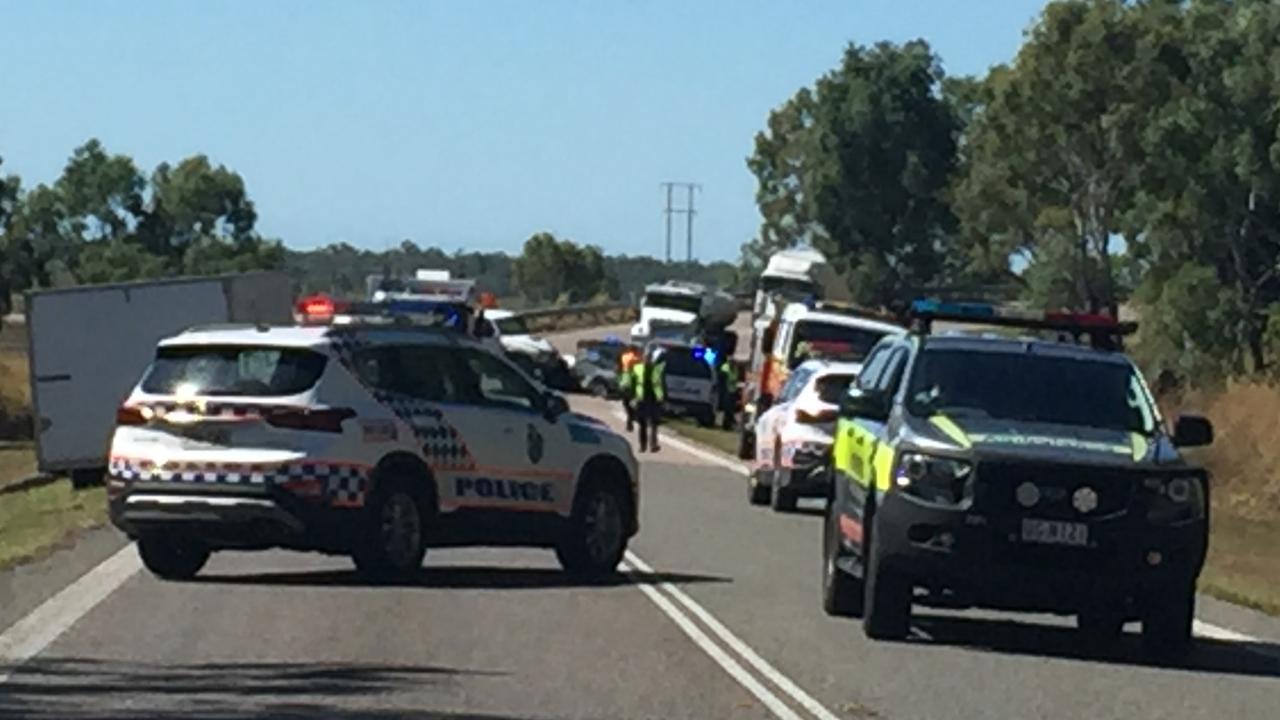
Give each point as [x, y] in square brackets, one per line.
[841, 592]
[784, 498]
[172, 558]
[757, 492]
[596, 539]
[395, 546]
[599, 388]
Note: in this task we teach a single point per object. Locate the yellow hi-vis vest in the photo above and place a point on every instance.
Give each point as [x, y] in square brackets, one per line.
[655, 381]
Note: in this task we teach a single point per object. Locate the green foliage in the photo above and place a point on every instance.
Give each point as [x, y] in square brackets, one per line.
[559, 271]
[860, 165]
[104, 221]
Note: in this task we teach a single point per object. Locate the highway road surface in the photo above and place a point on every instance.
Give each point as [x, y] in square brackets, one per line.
[717, 615]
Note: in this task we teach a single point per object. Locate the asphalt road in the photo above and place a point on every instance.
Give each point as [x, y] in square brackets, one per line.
[717, 616]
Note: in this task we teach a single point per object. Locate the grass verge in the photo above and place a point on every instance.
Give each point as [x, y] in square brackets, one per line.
[1243, 565]
[726, 441]
[34, 522]
[16, 464]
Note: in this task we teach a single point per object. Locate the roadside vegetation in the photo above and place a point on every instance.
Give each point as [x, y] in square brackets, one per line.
[40, 519]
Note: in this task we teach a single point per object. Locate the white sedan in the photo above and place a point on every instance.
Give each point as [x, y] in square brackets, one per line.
[794, 436]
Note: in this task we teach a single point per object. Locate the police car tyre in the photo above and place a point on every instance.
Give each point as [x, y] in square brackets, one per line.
[394, 541]
[784, 498]
[887, 603]
[172, 558]
[1167, 622]
[596, 537]
[706, 417]
[599, 388]
[757, 492]
[841, 592]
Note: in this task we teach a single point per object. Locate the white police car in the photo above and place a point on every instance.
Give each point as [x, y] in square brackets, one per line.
[372, 441]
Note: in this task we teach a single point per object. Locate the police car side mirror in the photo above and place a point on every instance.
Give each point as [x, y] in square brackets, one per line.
[555, 405]
[864, 403]
[1192, 431]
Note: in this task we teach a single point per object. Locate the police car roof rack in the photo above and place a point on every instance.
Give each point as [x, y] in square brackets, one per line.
[1103, 332]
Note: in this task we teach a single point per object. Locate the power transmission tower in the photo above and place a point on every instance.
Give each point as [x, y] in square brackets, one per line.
[688, 211]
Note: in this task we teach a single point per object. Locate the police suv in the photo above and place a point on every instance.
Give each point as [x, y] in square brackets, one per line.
[374, 440]
[981, 470]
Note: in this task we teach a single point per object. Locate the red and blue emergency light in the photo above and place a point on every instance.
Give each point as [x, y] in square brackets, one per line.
[1103, 330]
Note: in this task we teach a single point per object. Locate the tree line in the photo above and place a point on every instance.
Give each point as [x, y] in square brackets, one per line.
[105, 220]
[1129, 153]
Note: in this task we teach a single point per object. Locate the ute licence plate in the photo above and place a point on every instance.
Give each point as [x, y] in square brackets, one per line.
[1053, 532]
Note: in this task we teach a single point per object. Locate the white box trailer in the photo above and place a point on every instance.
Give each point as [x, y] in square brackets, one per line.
[89, 346]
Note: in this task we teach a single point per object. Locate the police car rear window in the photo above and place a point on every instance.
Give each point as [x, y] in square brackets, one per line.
[233, 371]
[681, 362]
[831, 341]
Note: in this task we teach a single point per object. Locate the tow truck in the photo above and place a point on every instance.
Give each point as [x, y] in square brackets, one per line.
[1028, 473]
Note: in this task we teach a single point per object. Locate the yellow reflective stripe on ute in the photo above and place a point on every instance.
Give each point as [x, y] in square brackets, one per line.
[1140, 446]
[883, 467]
[842, 447]
[951, 430]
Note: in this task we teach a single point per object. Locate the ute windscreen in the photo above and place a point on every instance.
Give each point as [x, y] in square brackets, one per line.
[1030, 388]
[233, 371]
[684, 303]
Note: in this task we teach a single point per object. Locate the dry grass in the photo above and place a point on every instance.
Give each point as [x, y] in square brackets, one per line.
[16, 463]
[15, 396]
[35, 521]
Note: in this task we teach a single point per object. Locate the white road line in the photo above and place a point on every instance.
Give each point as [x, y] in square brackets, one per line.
[668, 438]
[1201, 628]
[32, 634]
[723, 659]
[735, 643]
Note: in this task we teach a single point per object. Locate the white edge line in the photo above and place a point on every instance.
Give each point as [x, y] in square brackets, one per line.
[723, 659]
[1200, 627]
[692, 449]
[737, 645]
[32, 634]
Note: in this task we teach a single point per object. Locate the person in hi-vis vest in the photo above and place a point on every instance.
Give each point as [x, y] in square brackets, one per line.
[626, 361]
[649, 392]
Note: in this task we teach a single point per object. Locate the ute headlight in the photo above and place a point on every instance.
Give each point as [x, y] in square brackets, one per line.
[1175, 499]
[931, 478]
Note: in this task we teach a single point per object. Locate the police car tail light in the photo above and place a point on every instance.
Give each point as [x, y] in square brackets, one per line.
[327, 420]
[128, 415]
[933, 479]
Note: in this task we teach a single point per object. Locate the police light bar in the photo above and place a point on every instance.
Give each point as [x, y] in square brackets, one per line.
[1096, 325]
[705, 354]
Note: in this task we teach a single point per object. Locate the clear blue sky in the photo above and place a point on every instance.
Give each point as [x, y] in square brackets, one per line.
[459, 124]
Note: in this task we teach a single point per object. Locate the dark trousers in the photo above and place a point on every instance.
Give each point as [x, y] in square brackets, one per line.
[648, 415]
[628, 405]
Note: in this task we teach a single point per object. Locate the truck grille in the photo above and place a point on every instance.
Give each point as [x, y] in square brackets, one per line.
[996, 489]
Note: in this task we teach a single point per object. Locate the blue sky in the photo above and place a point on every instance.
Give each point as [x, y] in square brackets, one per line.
[462, 124]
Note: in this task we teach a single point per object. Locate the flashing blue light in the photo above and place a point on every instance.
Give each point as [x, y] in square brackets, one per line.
[706, 355]
[934, 307]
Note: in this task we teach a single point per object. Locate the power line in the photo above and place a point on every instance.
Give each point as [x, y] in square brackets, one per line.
[688, 211]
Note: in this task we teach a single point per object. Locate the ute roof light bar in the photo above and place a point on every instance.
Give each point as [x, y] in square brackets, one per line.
[1103, 331]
